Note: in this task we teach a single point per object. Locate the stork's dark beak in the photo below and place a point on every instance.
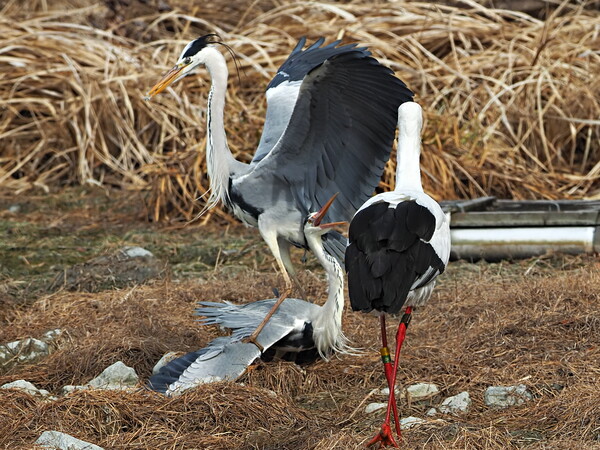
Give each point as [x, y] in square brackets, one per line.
[317, 218]
[165, 81]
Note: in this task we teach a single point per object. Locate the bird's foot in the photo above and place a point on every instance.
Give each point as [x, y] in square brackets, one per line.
[383, 438]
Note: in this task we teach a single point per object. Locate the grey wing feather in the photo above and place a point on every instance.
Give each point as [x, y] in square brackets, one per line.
[340, 134]
[228, 362]
[280, 102]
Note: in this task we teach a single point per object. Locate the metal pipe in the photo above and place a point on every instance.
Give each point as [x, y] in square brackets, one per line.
[522, 242]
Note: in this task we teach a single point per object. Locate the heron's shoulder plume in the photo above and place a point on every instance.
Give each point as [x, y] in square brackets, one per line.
[198, 44]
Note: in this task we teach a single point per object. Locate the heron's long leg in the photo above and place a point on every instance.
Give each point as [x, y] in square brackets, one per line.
[284, 251]
[271, 240]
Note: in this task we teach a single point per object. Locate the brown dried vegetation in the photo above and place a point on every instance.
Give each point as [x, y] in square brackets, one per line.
[512, 101]
[534, 322]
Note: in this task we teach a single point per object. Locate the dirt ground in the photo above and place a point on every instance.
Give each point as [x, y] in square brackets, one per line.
[535, 322]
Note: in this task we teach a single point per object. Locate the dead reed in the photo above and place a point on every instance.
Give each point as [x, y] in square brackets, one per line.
[512, 102]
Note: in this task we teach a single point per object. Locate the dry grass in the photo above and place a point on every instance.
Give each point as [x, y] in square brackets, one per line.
[512, 102]
[534, 322]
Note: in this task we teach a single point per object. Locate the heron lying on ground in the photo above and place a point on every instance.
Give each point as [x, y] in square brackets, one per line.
[329, 128]
[399, 242]
[297, 327]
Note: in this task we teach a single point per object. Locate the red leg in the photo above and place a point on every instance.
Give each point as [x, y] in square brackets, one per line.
[384, 437]
[387, 365]
[400, 336]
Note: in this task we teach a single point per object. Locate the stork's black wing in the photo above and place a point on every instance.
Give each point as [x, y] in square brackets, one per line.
[389, 254]
[340, 134]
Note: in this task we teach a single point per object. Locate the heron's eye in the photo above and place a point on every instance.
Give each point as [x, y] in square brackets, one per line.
[187, 60]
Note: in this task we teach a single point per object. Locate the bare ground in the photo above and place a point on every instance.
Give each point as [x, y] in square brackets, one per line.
[535, 322]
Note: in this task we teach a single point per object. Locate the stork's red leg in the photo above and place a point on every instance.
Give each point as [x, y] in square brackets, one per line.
[384, 437]
[387, 365]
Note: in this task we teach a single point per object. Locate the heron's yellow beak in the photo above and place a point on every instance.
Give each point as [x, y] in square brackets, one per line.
[165, 81]
[317, 218]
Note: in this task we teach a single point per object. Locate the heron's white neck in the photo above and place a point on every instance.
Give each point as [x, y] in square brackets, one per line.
[408, 168]
[218, 156]
[327, 326]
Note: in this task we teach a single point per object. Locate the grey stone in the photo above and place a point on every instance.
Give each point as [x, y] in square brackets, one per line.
[431, 412]
[505, 396]
[456, 404]
[25, 350]
[372, 407]
[386, 391]
[166, 358]
[50, 336]
[63, 441]
[136, 252]
[117, 376]
[411, 421]
[27, 387]
[421, 391]
[69, 388]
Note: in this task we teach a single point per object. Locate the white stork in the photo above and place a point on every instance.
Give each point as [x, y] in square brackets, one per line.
[399, 242]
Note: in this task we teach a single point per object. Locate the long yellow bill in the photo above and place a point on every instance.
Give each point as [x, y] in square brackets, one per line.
[164, 82]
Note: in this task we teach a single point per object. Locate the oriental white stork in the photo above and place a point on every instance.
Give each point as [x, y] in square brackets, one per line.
[399, 242]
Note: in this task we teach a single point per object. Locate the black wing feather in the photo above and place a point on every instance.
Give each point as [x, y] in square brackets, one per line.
[388, 252]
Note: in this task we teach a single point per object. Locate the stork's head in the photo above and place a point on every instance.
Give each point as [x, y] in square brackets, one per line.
[193, 55]
[314, 223]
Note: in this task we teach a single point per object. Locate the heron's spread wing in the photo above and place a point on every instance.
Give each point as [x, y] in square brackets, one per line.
[389, 254]
[340, 134]
[222, 359]
[283, 89]
[289, 327]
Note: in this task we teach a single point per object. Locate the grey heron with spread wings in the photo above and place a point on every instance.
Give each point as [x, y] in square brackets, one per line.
[329, 128]
[296, 328]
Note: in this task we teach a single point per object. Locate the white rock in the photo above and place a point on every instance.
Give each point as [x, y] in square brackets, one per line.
[372, 407]
[431, 412]
[51, 335]
[63, 441]
[421, 391]
[25, 350]
[27, 387]
[386, 391]
[65, 390]
[505, 396]
[136, 252]
[456, 404]
[411, 421]
[117, 376]
[166, 358]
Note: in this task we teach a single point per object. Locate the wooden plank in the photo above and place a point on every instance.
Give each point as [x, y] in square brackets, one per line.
[524, 219]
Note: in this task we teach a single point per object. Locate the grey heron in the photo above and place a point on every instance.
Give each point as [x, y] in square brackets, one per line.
[329, 128]
[298, 326]
[399, 242]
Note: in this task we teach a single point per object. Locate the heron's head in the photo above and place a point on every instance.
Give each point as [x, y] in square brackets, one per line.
[192, 56]
[314, 223]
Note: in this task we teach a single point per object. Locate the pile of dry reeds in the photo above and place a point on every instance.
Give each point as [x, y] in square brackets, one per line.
[512, 102]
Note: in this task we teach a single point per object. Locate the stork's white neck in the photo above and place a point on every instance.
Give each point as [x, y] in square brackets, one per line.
[218, 156]
[408, 168]
[327, 325]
